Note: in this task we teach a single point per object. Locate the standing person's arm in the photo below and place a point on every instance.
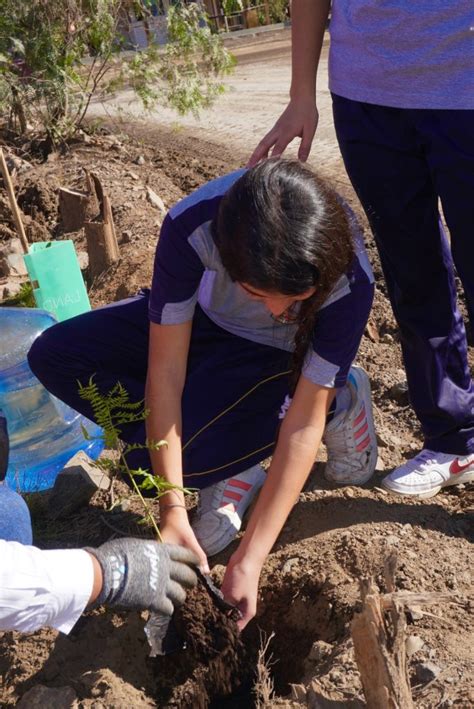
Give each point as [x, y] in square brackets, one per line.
[298, 441]
[167, 362]
[300, 118]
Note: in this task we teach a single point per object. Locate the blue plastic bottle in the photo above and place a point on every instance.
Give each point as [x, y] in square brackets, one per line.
[44, 433]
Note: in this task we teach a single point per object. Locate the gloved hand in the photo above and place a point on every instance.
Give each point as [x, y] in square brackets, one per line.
[142, 574]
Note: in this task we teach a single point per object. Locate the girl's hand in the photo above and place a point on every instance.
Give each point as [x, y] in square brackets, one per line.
[175, 529]
[299, 119]
[240, 586]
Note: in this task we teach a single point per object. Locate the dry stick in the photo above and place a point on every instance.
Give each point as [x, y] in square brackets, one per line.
[13, 205]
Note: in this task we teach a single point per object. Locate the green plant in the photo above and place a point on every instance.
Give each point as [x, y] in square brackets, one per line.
[23, 299]
[278, 10]
[111, 411]
[55, 57]
[231, 6]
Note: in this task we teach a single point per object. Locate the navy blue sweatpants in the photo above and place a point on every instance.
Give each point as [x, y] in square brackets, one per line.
[401, 162]
[225, 373]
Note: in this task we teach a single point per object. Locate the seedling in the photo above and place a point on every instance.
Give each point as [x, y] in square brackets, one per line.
[112, 411]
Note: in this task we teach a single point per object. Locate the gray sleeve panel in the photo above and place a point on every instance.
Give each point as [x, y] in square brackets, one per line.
[319, 371]
[178, 313]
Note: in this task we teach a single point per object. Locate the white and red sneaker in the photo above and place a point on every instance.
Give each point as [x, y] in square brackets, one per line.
[428, 472]
[350, 436]
[222, 507]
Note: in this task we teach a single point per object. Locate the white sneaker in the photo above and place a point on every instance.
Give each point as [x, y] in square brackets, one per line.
[428, 472]
[350, 436]
[222, 507]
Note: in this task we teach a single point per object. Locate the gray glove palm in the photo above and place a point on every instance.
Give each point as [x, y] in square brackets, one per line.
[143, 574]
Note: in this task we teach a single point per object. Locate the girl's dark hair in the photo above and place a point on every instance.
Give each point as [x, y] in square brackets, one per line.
[280, 228]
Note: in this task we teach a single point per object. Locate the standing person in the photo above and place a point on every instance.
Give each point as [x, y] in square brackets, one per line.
[401, 75]
[260, 295]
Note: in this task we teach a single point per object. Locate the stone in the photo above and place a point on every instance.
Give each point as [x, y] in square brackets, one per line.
[413, 644]
[139, 160]
[10, 288]
[289, 565]
[155, 200]
[83, 260]
[11, 259]
[387, 339]
[75, 485]
[392, 540]
[41, 697]
[126, 237]
[399, 392]
[319, 651]
[379, 465]
[426, 672]
[415, 613]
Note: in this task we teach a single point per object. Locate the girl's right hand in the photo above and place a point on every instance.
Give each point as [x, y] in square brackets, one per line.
[176, 529]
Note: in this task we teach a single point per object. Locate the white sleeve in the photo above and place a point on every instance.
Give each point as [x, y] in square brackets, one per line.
[43, 588]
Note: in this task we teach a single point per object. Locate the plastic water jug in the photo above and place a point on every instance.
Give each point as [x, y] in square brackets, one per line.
[57, 280]
[44, 433]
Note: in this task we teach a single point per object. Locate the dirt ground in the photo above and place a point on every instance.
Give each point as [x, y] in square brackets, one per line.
[310, 584]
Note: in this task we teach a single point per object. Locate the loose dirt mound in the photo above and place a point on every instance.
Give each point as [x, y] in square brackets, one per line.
[309, 588]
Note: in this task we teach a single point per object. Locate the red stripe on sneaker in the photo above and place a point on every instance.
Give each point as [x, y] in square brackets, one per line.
[359, 418]
[362, 446]
[233, 495]
[239, 483]
[361, 430]
[228, 504]
[455, 468]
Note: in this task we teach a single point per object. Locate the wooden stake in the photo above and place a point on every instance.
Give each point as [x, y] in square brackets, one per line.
[379, 646]
[13, 205]
[102, 243]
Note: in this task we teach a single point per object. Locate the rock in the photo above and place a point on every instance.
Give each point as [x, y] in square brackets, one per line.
[426, 672]
[155, 200]
[382, 439]
[139, 160]
[41, 697]
[415, 613]
[399, 393]
[75, 485]
[11, 259]
[387, 339]
[83, 259]
[126, 237]
[372, 332]
[392, 540]
[319, 651]
[133, 175]
[413, 644]
[10, 288]
[289, 565]
[379, 465]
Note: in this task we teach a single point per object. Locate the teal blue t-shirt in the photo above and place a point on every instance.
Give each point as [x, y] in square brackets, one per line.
[403, 53]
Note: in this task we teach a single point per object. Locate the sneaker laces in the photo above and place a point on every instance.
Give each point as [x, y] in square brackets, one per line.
[421, 462]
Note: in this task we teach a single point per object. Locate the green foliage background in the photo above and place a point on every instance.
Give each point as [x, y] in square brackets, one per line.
[56, 56]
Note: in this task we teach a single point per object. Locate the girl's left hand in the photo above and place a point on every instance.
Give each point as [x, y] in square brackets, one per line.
[240, 587]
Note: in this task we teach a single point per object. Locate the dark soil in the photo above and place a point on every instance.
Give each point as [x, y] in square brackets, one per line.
[310, 583]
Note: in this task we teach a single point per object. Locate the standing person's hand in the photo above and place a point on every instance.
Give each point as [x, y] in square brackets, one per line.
[298, 120]
[240, 587]
[139, 574]
[176, 529]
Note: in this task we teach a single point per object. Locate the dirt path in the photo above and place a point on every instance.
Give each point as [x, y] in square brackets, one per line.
[257, 94]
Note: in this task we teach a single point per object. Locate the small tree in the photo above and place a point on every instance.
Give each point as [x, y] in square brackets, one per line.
[56, 56]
